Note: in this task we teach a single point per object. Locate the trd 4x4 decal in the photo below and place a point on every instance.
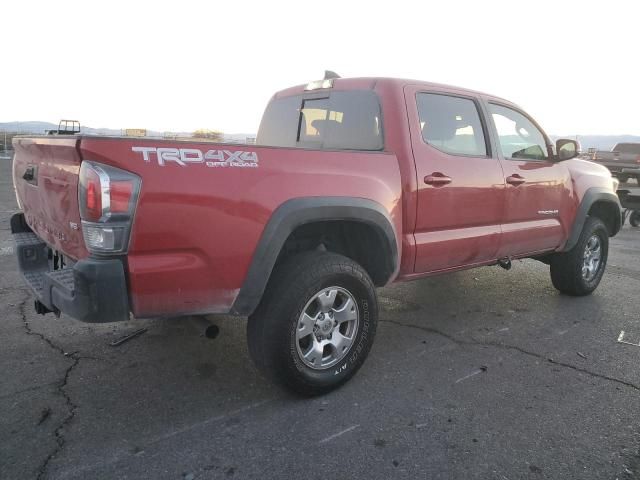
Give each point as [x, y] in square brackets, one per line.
[211, 158]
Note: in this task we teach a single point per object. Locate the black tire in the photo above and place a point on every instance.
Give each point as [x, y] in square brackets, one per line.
[271, 329]
[567, 268]
[638, 179]
[634, 218]
[623, 178]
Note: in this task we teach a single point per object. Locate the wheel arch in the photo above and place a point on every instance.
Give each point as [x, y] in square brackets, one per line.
[299, 213]
[601, 203]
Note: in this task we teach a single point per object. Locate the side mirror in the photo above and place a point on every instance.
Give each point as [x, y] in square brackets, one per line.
[567, 149]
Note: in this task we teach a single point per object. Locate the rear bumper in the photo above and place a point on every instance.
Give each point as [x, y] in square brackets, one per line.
[631, 171]
[93, 290]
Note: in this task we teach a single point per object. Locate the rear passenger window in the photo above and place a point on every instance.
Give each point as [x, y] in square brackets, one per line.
[451, 124]
[348, 120]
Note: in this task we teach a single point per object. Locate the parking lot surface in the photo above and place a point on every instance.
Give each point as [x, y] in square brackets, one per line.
[483, 374]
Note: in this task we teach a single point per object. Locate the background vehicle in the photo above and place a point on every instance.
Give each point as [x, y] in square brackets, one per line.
[66, 127]
[631, 205]
[354, 183]
[623, 161]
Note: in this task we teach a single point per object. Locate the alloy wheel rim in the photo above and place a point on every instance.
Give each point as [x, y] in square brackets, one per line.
[327, 327]
[592, 258]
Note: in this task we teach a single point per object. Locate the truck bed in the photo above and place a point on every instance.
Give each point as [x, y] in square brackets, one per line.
[202, 206]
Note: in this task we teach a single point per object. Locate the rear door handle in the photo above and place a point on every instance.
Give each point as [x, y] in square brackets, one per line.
[515, 180]
[437, 179]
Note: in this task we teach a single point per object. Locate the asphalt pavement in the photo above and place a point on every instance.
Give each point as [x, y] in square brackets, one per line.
[482, 374]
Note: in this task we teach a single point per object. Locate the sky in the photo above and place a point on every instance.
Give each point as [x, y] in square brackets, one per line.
[184, 65]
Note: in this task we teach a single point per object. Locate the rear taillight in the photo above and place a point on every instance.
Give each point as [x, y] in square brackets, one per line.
[107, 199]
[90, 180]
[638, 159]
[121, 193]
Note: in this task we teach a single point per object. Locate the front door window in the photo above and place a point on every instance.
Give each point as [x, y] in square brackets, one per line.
[519, 138]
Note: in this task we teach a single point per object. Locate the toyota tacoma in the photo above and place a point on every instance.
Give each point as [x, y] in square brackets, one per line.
[352, 184]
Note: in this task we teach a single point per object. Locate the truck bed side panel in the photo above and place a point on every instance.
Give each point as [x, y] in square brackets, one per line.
[196, 226]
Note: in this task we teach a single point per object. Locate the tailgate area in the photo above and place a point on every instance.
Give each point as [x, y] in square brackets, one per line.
[45, 175]
[91, 290]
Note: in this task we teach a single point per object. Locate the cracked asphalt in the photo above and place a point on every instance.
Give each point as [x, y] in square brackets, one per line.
[483, 374]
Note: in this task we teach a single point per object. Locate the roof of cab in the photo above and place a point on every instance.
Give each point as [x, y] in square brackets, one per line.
[369, 83]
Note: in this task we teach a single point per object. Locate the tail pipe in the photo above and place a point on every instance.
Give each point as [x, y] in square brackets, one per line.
[211, 330]
[42, 309]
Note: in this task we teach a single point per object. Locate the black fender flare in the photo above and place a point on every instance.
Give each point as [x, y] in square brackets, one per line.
[592, 195]
[291, 215]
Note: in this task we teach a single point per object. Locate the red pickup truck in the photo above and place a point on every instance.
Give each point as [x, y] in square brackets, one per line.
[353, 184]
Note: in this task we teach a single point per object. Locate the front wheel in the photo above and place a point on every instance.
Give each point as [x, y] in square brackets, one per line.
[634, 218]
[578, 272]
[315, 324]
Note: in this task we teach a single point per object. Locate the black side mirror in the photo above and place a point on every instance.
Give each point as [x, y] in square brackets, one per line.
[567, 149]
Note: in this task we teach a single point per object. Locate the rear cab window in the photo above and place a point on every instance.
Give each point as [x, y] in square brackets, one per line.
[337, 120]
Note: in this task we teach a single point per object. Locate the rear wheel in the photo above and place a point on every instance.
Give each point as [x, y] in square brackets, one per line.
[579, 271]
[623, 178]
[634, 218]
[316, 323]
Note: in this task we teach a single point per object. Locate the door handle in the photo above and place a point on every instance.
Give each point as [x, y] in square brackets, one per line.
[29, 173]
[437, 179]
[515, 180]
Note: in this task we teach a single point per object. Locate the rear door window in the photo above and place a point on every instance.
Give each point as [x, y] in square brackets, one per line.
[349, 120]
[451, 124]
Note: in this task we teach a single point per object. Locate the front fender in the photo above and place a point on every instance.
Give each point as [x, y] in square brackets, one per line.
[592, 196]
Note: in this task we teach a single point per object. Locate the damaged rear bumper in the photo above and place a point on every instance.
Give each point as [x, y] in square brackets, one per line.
[92, 290]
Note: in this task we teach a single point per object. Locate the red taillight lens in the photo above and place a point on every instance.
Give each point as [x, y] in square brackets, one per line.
[638, 159]
[120, 195]
[90, 180]
[107, 197]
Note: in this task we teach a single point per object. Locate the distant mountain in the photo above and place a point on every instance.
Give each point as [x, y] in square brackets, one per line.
[43, 127]
[27, 127]
[40, 128]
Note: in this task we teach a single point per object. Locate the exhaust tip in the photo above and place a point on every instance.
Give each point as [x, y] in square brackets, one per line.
[212, 331]
[40, 308]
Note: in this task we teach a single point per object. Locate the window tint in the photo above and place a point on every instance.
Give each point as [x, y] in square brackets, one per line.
[342, 120]
[519, 137]
[451, 124]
